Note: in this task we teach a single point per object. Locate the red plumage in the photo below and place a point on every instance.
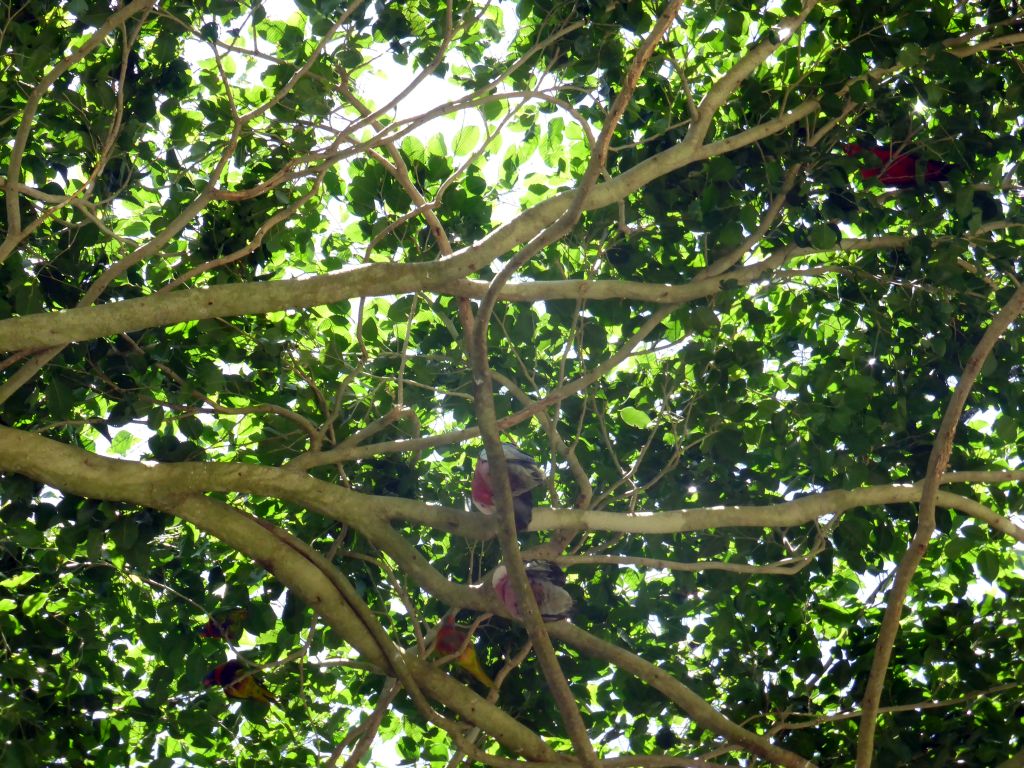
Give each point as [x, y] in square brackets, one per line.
[899, 169]
[238, 682]
[227, 625]
[450, 639]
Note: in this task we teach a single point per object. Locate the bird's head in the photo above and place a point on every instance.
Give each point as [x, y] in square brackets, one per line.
[500, 573]
[511, 453]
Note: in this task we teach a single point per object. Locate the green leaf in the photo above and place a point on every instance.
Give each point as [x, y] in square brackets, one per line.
[18, 580]
[34, 603]
[123, 442]
[988, 565]
[634, 417]
[823, 236]
[909, 55]
[721, 169]
[125, 533]
[466, 140]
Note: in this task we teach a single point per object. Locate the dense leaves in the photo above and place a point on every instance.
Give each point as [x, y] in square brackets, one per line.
[743, 315]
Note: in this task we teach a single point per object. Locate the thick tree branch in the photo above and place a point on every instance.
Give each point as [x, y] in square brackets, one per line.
[446, 276]
[59, 465]
[76, 471]
[290, 560]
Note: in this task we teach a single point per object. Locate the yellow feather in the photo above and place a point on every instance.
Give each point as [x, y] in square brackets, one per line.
[469, 662]
[249, 688]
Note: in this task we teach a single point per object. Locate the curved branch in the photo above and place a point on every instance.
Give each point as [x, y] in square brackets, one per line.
[815, 721]
[76, 471]
[786, 567]
[288, 558]
[783, 514]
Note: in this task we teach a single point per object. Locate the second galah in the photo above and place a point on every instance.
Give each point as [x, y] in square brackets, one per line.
[523, 475]
[546, 582]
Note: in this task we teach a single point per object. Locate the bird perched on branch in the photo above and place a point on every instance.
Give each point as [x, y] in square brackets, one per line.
[546, 582]
[899, 169]
[523, 474]
[450, 639]
[227, 624]
[238, 682]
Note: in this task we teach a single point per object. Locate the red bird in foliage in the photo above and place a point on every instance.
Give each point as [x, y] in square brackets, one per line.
[238, 682]
[523, 474]
[450, 639]
[227, 624]
[899, 169]
[546, 582]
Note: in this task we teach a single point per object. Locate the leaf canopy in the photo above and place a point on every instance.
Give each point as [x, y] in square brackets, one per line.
[243, 257]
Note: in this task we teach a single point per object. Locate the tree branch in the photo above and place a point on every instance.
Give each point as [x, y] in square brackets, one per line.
[692, 704]
[113, 21]
[937, 461]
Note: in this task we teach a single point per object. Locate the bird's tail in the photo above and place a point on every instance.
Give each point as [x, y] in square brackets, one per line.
[468, 661]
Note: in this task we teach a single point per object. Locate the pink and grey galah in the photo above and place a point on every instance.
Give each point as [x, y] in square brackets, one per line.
[523, 475]
[546, 582]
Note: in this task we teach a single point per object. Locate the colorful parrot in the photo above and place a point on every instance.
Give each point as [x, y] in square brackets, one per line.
[227, 624]
[238, 682]
[897, 169]
[546, 581]
[523, 474]
[450, 639]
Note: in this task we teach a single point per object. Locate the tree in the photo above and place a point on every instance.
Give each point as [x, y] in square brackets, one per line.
[259, 317]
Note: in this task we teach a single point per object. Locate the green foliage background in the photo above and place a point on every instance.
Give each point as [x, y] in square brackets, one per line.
[815, 326]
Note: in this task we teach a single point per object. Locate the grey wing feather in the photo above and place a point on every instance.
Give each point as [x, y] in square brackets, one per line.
[545, 570]
[523, 507]
[524, 475]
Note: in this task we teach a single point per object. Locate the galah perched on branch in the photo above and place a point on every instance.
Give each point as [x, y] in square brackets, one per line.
[899, 169]
[523, 474]
[238, 682]
[450, 639]
[546, 582]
